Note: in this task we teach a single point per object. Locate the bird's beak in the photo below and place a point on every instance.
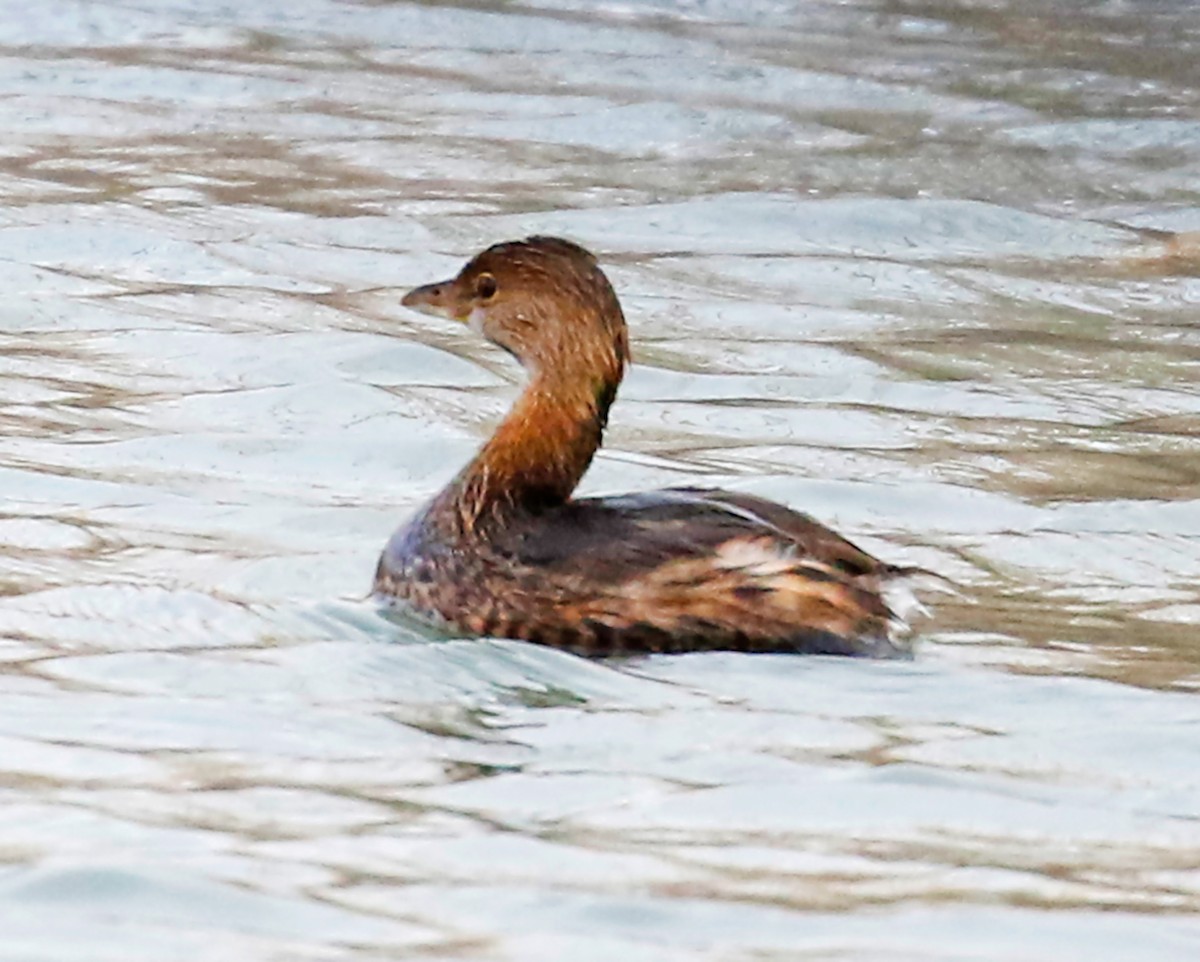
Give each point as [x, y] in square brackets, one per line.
[437, 299]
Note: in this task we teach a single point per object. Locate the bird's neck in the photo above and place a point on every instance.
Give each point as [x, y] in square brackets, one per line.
[538, 454]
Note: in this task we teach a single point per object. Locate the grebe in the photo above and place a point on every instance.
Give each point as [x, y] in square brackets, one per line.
[505, 551]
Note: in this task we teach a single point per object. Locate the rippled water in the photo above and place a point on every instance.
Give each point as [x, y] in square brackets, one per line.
[930, 270]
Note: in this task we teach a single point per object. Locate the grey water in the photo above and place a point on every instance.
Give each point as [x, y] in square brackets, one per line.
[927, 269]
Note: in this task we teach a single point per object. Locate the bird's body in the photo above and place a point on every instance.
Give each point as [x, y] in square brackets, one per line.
[504, 550]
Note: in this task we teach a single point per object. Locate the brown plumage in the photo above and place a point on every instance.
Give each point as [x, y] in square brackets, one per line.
[505, 551]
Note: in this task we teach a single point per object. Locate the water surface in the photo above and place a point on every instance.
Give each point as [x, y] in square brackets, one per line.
[928, 270]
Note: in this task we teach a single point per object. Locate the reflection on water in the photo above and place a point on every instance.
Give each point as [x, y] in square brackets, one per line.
[928, 270]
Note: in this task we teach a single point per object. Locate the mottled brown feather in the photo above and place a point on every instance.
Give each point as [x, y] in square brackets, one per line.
[505, 551]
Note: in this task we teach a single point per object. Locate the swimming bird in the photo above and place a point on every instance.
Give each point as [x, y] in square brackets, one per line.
[505, 550]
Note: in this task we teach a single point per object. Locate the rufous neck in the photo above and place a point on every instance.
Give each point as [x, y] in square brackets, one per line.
[538, 454]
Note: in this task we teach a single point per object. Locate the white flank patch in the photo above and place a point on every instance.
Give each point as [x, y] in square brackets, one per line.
[758, 556]
[899, 596]
[904, 605]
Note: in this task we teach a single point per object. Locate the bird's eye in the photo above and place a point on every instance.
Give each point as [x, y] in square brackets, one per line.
[485, 287]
